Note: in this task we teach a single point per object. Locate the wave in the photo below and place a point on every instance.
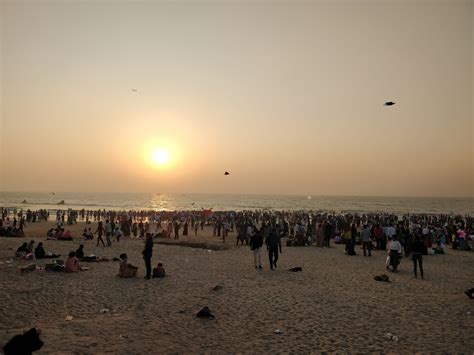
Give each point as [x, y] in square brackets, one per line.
[125, 202]
[61, 203]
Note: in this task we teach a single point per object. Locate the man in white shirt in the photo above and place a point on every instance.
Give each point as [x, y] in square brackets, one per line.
[391, 231]
[394, 249]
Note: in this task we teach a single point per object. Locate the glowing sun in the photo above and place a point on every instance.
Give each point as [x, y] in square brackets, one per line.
[161, 157]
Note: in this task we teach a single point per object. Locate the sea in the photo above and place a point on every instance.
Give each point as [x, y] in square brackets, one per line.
[232, 202]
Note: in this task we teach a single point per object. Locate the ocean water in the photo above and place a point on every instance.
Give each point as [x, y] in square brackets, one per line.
[220, 202]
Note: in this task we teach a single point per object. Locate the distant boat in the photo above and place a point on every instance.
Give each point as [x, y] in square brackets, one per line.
[61, 202]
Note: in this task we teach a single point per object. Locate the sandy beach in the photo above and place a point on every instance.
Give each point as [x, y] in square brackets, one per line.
[333, 305]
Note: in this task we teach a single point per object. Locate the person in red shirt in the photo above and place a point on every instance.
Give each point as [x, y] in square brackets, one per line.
[378, 234]
[72, 263]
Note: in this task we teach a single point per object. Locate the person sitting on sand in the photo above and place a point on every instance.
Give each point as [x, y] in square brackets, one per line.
[90, 235]
[40, 253]
[80, 251]
[64, 235]
[31, 245]
[87, 259]
[126, 270]
[59, 233]
[159, 271]
[51, 233]
[72, 263]
[85, 235]
[22, 250]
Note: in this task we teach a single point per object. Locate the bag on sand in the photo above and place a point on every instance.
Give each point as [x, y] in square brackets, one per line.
[383, 278]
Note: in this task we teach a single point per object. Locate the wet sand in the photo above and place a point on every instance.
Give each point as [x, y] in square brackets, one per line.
[333, 305]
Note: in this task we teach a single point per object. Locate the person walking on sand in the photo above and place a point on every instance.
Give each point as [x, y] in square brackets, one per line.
[273, 244]
[108, 232]
[365, 237]
[417, 255]
[100, 230]
[147, 254]
[256, 242]
[177, 226]
[395, 250]
[320, 235]
[328, 233]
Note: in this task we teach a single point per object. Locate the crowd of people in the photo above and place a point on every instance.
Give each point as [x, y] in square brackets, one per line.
[409, 235]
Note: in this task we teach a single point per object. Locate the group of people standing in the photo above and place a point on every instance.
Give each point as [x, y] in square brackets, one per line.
[272, 239]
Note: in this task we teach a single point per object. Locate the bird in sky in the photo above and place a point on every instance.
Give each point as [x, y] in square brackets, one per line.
[389, 103]
[226, 173]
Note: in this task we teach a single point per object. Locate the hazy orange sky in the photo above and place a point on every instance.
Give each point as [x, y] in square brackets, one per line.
[286, 95]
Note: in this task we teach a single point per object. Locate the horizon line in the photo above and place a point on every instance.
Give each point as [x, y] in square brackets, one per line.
[247, 194]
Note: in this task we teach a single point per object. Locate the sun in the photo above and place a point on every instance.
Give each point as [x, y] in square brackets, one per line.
[161, 157]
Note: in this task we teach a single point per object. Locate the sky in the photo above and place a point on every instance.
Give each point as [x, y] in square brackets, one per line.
[287, 96]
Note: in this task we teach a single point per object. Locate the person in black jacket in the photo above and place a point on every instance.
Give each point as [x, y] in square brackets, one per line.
[256, 242]
[23, 248]
[40, 253]
[273, 244]
[80, 251]
[147, 254]
[417, 255]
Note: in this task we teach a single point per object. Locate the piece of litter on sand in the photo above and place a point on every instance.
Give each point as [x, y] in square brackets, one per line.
[209, 250]
[104, 310]
[468, 312]
[68, 318]
[277, 331]
[392, 337]
[205, 312]
[122, 336]
[217, 288]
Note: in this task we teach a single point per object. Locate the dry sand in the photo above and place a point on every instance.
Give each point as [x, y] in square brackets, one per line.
[333, 305]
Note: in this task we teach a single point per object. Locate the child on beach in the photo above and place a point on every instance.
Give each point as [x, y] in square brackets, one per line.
[126, 270]
[100, 231]
[159, 271]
